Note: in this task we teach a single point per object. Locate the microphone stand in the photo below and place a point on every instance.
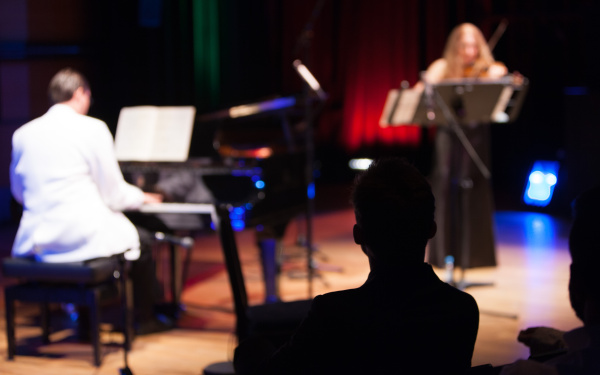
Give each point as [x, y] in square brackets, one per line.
[310, 115]
[303, 43]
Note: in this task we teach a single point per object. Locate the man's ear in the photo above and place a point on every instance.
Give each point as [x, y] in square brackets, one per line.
[357, 234]
[433, 230]
[79, 92]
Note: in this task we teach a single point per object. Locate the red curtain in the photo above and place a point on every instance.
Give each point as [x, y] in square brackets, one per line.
[381, 45]
[359, 51]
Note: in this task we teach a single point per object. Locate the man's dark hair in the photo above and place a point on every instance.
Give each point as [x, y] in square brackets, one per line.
[64, 83]
[394, 206]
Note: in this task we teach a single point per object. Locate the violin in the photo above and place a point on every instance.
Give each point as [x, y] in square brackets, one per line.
[491, 71]
[476, 71]
[480, 70]
[483, 70]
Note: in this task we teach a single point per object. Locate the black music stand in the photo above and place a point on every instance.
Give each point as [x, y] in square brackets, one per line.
[468, 100]
[453, 104]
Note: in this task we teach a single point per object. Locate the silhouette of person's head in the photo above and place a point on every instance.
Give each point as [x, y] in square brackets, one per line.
[394, 209]
[584, 246]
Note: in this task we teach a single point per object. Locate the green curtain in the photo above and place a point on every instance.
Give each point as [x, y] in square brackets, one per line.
[206, 53]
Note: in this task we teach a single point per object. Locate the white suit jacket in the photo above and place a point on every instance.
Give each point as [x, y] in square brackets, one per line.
[65, 174]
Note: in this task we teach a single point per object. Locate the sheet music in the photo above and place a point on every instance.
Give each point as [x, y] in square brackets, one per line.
[390, 105]
[151, 133]
[499, 112]
[405, 111]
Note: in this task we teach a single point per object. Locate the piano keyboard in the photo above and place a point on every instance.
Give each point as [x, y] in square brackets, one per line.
[180, 208]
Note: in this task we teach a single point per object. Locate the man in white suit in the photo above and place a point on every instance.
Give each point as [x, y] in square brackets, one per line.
[65, 174]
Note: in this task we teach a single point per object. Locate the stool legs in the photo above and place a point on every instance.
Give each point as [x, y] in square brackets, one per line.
[45, 322]
[93, 302]
[47, 283]
[127, 306]
[10, 323]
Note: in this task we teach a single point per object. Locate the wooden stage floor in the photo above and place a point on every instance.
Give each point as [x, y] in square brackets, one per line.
[529, 289]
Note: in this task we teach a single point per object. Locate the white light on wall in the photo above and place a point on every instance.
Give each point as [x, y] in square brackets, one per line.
[360, 164]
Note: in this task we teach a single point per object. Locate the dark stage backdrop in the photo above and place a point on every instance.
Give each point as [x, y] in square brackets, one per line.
[359, 50]
[217, 53]
[230, 52]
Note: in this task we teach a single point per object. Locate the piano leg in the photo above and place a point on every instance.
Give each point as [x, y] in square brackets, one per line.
[268, 257]
[176, 280]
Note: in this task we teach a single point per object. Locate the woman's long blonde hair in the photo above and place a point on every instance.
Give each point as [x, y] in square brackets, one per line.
[454, 67]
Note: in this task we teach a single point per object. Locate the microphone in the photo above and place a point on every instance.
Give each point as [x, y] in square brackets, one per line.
[187, 242]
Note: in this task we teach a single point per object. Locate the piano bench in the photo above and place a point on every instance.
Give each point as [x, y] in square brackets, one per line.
[88, 283]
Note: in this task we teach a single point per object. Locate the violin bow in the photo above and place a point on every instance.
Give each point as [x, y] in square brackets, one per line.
[498, 34]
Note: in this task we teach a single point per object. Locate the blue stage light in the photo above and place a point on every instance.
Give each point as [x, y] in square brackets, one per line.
[540, 185]
[310, 191]
[260, 184]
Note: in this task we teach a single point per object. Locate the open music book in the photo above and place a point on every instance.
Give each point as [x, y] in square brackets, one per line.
[151, 133]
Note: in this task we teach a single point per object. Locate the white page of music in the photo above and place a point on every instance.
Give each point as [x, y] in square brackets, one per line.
[150, 133]
[407, 106]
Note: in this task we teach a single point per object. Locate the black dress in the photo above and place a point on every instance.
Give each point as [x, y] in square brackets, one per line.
[464, 200]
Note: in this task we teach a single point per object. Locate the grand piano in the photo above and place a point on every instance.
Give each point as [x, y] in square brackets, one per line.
[250, 157]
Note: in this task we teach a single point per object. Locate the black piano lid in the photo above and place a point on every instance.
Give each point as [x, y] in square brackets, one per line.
[267, 123]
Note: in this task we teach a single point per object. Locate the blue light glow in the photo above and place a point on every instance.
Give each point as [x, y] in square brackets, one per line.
[540, 185]
[279, 103]
[539, 231]
[310, 191]
[259, 184]
[255, 173]
[237, 215]
[238, 225]
[576, 90]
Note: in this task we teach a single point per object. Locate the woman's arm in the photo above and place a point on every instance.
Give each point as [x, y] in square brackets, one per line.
[434, 74]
